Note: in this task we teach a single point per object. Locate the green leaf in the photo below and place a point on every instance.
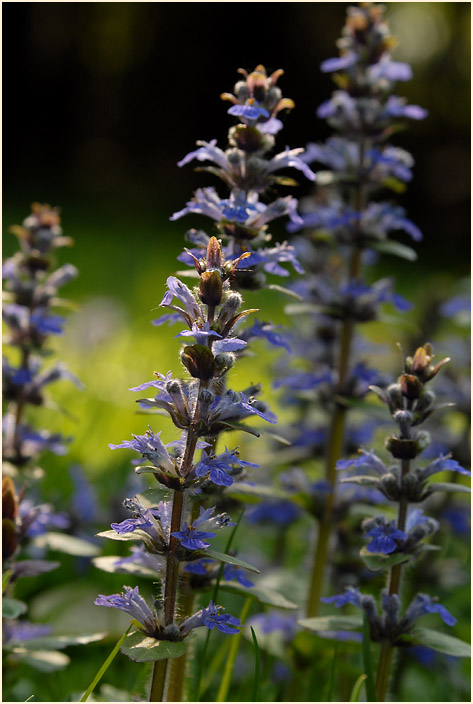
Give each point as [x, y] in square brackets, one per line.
[113, 535]
[356, 691]
[104, 667]
[68, 544]
[43, 660]
[367, 661]
[377, 562]
[6, 580]
[227, 558]
[12, 608]
[363, 480]
[142, 648]
[60, 642]
[151, 497]
[106, 563]
[286, 291]
[255, 695]
[332, 623]
[395, 184]
[396, 248]
[264, 595]
[442, 642]
[449, 487]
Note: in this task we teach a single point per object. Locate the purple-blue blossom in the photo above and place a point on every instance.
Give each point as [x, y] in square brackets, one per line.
[385, 538]
[132, 603]
[422, 605]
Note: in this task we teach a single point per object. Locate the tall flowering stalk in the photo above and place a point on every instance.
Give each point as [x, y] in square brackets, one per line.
[393, 544]
[201, 408]
[31, 285]
[360, 162]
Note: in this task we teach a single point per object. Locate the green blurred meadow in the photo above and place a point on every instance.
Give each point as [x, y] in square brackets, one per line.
[121, 91]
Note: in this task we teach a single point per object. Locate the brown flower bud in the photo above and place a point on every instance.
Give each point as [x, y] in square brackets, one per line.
[411, 387]
[214, 254]
[401, 449]
[199, 361]
[211, 288]
[9, 501]
[249, 139]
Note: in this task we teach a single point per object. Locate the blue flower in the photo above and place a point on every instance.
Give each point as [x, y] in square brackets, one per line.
[201, 332]
[17, 632]
[422, 605]
[198, 567]
[250, 110]
[232, 572]
[150, 447]
[266, 330]
[351, 596]
[212, 618]
[132, 603]
[279, 512]
[191, 538]
[364, 461]
[385, 537]
[47, 324]
[176, 288]
[274, 621]
[339, 63]
[219, 465]
[443, 463]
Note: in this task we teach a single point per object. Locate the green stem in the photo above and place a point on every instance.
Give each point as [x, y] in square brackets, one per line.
[394, 587]
[158, 681]
[230, 664]
[177, 666]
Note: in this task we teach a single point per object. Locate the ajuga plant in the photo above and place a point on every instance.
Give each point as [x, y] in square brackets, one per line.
[393, 544]
[31, 284]
[174, 534]
[203, 408]
[344, 227]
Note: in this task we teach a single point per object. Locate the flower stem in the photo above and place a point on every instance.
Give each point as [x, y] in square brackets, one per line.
[394, 586]
[177, 666]
[335, 448]
[158, 681]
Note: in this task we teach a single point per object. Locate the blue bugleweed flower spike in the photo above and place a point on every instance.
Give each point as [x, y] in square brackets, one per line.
[343, 227]
[410, 403]
[31, 285]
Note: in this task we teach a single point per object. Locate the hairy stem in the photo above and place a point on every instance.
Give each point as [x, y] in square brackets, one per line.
[158, 681]
[394, 586]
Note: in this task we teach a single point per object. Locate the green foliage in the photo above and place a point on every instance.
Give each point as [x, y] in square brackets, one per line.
[140, 647]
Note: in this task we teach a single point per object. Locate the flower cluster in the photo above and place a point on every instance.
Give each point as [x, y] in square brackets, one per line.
[392, 543]
[31, 286]
[241, 218]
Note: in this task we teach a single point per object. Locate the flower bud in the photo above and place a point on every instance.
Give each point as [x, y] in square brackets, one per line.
[171, 632]
[412, 487]
[214, 254]
[224, 362]
[422, 438]
[401, 449]
[248, 139]
[9, 501]
[411, 387]
[211, 288]
[199, 361]
[390, 487]
[395, 398]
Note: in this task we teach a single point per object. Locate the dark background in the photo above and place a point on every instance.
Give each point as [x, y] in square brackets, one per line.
[102, 99]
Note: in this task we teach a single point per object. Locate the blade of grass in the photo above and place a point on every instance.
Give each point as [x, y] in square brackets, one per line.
[215, 665]
[105, 666]
[356, 691]
[197, 692]
[331, 680]
[230, 664]
[255, 696]
[367, 662]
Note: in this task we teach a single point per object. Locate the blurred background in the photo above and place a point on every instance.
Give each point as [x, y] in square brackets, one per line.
[100, 102]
